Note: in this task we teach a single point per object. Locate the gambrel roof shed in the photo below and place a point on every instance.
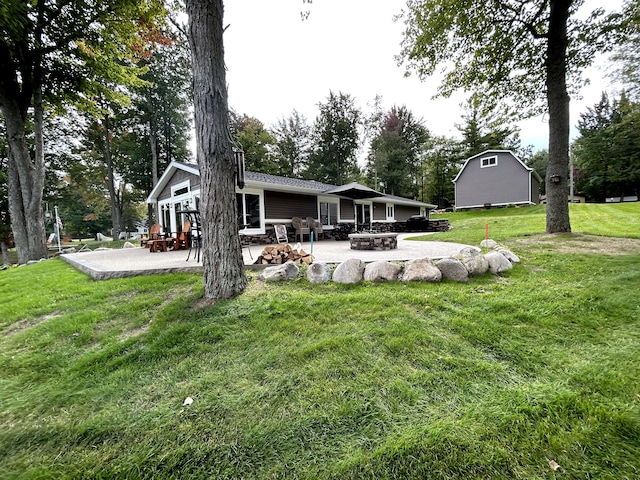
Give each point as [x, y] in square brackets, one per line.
[496, 178]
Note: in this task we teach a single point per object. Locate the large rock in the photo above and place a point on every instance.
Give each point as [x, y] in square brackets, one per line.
[381, 272]
[453, 269]
[286, 271]
[498, 263]
[349, 271]
[318, 273]
[128, 245]
[421, 270]
[512, 257]
[488, 243]
[474, 261]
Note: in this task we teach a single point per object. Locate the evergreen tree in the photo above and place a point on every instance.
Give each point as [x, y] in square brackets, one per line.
[335, 136]
[293, 137]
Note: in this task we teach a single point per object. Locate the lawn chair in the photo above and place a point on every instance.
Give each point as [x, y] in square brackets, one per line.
[300, 227]
[316, 227]
[181, 241]
[154, 234]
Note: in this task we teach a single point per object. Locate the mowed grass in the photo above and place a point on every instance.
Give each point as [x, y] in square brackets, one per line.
[497, 378]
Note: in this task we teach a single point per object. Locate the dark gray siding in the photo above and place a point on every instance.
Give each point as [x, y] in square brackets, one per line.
[403, 212]
[379, 211]
[281, 205]
[507, 182]
[346, 209]
[178, 177]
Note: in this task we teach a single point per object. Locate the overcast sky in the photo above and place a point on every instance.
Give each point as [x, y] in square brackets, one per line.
[277, 63]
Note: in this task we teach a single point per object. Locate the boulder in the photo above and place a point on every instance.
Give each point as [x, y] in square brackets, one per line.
[318, 273]
[69, 250]
[278, 273]
[128, 245]
[381, 272]
[349, 271]
[498, 263]
[453, 269]
[488, 243]
[421, 270]
[474, 261]
[512, 257]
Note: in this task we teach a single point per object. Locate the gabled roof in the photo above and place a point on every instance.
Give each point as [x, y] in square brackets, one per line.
[488, 152]
[262, 180]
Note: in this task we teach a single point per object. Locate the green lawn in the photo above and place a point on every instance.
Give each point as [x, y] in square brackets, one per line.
[492, 379]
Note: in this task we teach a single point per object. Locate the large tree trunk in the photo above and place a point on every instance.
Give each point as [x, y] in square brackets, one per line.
[558, 103]
[224, 275]
[26, 180]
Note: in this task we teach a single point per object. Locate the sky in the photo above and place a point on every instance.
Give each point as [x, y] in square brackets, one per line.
[277, 63]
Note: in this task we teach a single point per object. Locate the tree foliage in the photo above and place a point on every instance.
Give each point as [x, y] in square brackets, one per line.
[293, 144]
[257, 142]
[607, 153]
[485, 128]
[55, 54]
[396, 152]
[530, 52]
[626, 58]
[335, 136]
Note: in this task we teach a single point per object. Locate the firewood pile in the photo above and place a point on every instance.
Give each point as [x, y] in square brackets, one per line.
[283, 253]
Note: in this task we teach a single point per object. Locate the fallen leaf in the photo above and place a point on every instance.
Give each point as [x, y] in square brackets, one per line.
[188, 401]
[554, 466]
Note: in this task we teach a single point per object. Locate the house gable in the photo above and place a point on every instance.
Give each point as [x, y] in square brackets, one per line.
[495, 177]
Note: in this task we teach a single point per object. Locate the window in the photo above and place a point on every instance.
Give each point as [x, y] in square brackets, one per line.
[328, 213]
[488, 162]
[249, 210]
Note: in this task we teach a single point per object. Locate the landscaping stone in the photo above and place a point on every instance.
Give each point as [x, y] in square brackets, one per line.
[278, 273]
[498, 263]
[318, 273]
[421, 270]
[453, 269]
[474, 261]
[128, 245]
[381, 272]
[349, 271]
[488, 243]
[512, 257]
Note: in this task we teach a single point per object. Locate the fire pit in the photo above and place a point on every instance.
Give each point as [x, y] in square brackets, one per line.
[373, 241]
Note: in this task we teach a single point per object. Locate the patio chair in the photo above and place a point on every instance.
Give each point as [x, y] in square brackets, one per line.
[181, 241]
[300, 227]
[316, 227]
[154, 234]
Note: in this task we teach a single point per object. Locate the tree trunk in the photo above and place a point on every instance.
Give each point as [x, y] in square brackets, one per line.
[558, 102]
[153, 143]
[26, 180]
[224, 275]
[114, 199]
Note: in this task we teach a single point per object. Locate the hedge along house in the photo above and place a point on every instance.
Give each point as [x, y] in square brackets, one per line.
[267, 200]
[496, 178]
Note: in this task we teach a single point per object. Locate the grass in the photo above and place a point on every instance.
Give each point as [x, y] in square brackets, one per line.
[490, 379]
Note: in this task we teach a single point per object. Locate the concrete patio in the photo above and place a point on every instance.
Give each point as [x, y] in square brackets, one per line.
[130, 262]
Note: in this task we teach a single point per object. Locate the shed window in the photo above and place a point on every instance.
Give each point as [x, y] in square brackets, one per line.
[488, 162]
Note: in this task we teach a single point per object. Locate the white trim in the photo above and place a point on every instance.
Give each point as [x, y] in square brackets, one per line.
[260, 193]
[495, 205]
[490, 163]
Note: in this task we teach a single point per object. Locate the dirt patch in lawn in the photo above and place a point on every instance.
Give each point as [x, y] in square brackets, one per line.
[579, 243]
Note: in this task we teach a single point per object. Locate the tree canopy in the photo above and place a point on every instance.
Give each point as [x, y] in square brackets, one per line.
[531, 53]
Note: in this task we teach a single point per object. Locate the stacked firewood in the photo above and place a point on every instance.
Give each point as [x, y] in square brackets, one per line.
[283, 253]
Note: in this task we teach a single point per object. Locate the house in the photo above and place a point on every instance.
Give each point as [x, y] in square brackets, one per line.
[496, 178]
[267, 200]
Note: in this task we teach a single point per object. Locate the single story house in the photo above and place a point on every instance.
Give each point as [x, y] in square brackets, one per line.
[267, 200]
[496, 178]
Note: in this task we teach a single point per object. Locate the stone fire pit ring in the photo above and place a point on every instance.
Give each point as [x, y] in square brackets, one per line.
[373, 241]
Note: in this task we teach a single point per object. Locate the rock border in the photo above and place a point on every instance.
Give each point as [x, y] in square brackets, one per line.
[467, 263]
